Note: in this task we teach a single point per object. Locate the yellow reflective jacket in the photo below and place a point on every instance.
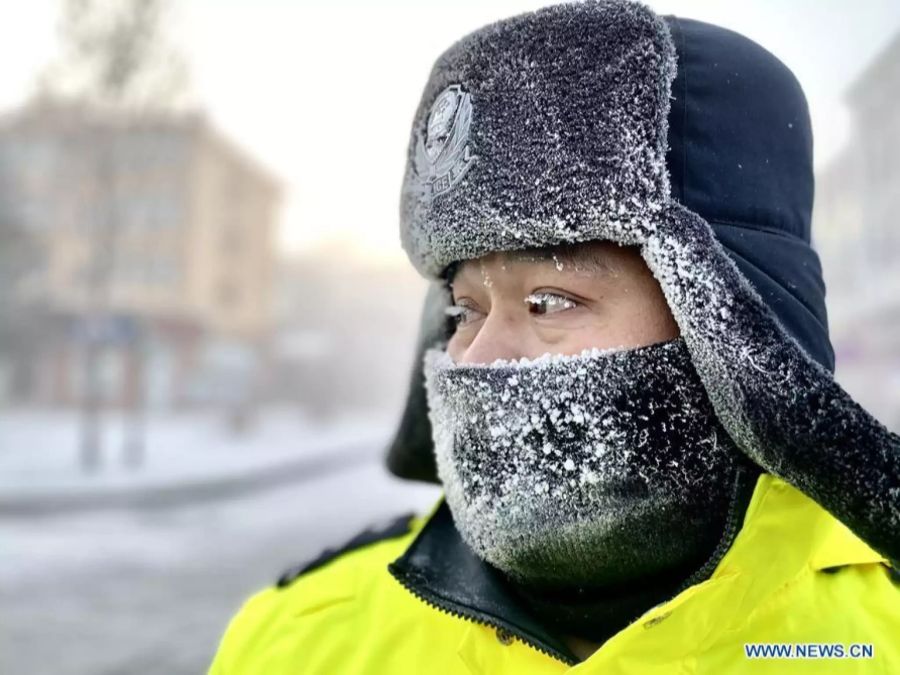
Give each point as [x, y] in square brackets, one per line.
[793, 578]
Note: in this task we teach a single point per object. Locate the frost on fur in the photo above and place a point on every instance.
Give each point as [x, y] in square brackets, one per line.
[570, 469]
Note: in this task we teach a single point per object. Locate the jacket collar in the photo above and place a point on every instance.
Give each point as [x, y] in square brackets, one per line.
[439, 568]
[801, 533]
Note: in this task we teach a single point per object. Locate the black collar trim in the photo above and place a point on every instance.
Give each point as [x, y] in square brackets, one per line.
[441, 570]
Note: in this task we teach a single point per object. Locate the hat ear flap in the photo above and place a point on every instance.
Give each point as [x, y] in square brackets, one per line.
[779, 405]
[411, 452]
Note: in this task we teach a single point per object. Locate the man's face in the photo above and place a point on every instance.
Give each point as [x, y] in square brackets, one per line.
[560, 300]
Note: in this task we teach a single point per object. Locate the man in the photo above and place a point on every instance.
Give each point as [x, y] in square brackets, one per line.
[623, 383]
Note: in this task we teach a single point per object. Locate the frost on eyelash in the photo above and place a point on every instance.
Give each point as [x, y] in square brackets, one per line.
[455, 310]
[534, 298]
[550, 299]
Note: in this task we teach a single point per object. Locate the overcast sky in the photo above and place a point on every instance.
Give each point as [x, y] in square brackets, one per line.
[323, 92]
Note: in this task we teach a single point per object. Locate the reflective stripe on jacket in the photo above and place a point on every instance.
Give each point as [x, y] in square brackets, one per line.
[794, 577]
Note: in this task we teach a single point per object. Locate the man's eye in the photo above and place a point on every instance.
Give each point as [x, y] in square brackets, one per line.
[548, 303]
[461, 314]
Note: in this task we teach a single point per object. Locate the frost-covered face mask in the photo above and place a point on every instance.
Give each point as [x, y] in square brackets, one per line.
[581, 470]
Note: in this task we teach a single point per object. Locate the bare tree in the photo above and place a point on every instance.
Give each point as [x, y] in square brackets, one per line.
[116, 56]
[19, 257]
[116, 64]
[23, 320]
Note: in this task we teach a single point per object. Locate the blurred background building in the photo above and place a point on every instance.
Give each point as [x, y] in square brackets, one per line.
[856, 226]
[343, 338]
[207, 321]
[186, 237]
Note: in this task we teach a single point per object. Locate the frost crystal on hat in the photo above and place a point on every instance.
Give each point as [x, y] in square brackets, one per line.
[568, 121]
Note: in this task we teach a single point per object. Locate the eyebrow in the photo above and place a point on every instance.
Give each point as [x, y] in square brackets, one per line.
[585, 257]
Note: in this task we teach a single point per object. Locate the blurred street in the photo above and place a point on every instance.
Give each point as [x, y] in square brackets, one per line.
[184, 456]
[149, 591]
[208, 317]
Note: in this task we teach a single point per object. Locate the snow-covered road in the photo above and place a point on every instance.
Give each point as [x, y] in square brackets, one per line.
[148, 592]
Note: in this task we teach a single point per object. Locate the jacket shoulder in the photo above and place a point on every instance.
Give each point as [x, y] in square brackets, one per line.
[396, 527]
[331, 580]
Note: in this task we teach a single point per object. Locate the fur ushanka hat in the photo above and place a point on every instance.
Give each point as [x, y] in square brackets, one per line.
[556, 126]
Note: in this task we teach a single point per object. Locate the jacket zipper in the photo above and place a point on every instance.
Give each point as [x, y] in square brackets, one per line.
[459, 611]
[735, 512]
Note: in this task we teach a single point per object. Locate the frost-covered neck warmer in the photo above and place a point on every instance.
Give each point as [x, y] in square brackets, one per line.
[587, 470]
[551, 127]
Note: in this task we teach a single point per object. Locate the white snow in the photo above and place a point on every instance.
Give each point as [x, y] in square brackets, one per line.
[531, 477]
[39, 448]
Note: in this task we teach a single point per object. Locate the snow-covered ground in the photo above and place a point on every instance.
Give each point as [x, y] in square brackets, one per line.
[149, 591]
[147, 587]
[39, 449]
